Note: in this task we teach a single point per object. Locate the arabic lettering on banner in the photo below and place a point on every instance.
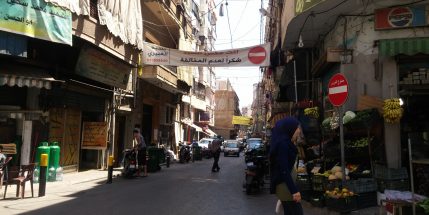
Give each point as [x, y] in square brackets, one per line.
[241, 120]
[251, 56]
[36, 18]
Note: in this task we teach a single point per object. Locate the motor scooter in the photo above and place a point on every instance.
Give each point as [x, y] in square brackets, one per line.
[185, 153]
[129, 163]
[254, 174]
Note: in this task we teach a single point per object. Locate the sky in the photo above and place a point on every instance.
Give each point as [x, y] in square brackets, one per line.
[244, 18]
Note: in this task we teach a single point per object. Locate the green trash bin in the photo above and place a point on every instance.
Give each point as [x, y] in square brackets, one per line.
[54, 159]
[196, 153]
[153, 161]
[42, 149]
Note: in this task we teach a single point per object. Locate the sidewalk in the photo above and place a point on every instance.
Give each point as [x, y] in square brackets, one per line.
[56, 192]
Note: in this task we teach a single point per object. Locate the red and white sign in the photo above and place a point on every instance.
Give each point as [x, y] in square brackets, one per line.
[251, 56]
[338, 90]
[257, 55]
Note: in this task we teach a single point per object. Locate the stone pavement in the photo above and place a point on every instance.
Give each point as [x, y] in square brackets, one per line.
[181, 189]
[56, 192]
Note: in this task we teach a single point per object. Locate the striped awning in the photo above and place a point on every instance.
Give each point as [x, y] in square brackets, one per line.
[197, 128]
[406, 46]
[26, 79]
[210, 132]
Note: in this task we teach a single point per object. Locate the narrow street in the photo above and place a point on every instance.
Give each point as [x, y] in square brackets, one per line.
[182, 189]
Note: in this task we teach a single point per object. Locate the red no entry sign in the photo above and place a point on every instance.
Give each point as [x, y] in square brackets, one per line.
[338, 90]
[257, 55]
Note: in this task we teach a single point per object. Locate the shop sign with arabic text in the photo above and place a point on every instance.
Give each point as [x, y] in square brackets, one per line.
[36, 18]
[251, 56]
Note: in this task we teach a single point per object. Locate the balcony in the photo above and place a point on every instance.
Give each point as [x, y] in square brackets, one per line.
[162, 76]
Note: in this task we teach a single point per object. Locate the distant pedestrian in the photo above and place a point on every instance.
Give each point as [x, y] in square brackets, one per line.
[214, 148]
[283, 158]
[140, 145]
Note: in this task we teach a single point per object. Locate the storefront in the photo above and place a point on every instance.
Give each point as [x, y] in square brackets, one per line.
[411, 57]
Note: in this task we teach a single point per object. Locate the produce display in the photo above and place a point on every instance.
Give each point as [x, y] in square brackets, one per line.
[364, 116]
[392, 110]
[312, 112]
[425, 205]
[338, 193]
[348, 116]
[334, 174]
[359, 143]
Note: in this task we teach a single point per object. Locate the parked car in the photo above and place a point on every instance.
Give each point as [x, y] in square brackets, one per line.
[253, 143]
[204, 144]
[231, 148]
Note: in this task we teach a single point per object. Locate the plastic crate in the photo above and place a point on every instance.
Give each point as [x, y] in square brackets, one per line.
[362, 185]
[319, 179]
[382, 172]
[318, 201]
[319, 182]
[400, 185]
[304, 183]
[342, 205]
[366, 200]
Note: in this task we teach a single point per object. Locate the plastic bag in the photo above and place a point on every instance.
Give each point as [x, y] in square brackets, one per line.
[279, 207]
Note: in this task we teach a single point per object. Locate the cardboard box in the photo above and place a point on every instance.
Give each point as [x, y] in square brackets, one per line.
[407, 79]
[416, 73]
[422, 77]
[416, 82]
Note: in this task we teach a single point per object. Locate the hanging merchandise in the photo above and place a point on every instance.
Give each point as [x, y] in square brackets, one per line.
[335, 121]
[348, 116]
[392, 111]
[312, 112]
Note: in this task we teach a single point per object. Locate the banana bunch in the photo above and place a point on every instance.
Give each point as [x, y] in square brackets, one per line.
[392, 111]
[312, 112]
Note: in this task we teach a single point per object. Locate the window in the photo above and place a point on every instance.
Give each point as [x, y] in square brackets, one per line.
[93, 10]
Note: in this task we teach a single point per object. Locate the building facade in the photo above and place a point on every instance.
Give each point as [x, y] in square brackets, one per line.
[380, 47]
[227, 106]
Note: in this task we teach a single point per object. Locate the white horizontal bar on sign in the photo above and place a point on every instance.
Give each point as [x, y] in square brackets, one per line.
[258, 54]
[336, 90]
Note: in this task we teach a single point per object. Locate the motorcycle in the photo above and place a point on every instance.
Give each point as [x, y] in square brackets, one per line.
[185, 153]
[255, 173]
[129, 163]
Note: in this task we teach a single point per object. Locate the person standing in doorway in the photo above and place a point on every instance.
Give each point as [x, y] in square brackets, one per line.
[283, 159]
[214, 147]
[140, 146]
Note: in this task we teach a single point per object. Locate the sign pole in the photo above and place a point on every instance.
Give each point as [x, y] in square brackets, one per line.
[338, 93]
[343, 160]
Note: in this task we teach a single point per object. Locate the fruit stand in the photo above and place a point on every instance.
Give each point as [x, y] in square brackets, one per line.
[362, 137]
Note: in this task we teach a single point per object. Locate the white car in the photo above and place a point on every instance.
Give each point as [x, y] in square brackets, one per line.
[231, 148]
[204, 144]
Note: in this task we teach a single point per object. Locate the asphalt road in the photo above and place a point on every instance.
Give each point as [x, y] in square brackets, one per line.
[181, 189]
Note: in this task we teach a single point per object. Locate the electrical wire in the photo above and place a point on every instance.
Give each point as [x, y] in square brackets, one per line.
[165, 22]
[241, 16]
[229, 24]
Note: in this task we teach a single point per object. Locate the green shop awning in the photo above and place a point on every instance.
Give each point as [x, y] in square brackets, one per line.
[409, 46]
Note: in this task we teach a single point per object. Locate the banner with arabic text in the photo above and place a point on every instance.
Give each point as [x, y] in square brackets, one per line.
[251, 56]
[241, 120]
[36, 18]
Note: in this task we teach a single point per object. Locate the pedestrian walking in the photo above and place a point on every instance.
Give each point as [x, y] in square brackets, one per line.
[140, 145]
[214, 147]
[283, 158]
